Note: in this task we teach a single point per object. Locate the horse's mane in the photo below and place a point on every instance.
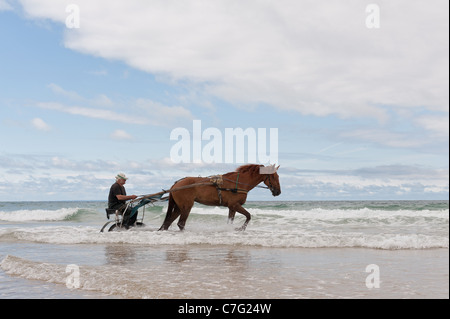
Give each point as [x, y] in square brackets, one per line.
[249, 168]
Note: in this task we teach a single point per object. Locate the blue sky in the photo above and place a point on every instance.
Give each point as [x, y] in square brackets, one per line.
[361, 113]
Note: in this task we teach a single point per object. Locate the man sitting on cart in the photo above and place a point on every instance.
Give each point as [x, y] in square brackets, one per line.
[117, 200]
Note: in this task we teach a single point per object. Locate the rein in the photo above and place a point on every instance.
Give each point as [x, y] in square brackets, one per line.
[215, 182]
[265, 187]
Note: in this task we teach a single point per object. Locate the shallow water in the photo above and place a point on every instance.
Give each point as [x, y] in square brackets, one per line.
[125, 271]
[290, 250]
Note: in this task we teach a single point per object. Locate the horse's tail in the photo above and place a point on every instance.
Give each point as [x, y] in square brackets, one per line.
[170, 209]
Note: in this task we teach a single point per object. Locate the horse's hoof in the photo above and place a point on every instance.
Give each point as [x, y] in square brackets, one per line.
[242, 228]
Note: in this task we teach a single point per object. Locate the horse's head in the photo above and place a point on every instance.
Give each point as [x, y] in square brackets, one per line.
[271, 179]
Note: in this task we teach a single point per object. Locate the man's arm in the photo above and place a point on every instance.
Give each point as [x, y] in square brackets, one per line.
[125, 197]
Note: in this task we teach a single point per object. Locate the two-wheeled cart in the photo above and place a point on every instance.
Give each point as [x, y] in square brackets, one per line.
[116, 221]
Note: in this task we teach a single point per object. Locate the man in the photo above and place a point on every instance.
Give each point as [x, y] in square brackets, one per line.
[117, 199]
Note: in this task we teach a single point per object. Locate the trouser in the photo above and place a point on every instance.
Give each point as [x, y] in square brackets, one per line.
[127, 220]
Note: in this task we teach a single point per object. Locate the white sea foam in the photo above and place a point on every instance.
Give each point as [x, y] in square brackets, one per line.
[226, 235]
[269, 227]
[327, 214]
[38, 215]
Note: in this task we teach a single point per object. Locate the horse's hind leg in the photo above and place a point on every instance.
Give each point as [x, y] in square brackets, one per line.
[170, 218]
[174, 216]
[183, 218]
[171, 214]
[185, 211]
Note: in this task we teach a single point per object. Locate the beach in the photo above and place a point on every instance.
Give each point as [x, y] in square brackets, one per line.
[291, 250]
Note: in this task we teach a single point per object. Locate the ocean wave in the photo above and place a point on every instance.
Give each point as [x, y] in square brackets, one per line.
[39, 215]
[324, 212]
[319, 217]
[273, 213]
[225, 235]
[281, 226]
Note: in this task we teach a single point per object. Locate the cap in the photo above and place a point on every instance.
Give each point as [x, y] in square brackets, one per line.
[121, 176]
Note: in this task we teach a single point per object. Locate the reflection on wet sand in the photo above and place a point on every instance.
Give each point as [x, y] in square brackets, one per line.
[120, 254]
[201, 272]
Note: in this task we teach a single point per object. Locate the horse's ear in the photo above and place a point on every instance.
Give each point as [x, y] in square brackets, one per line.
[277, 167]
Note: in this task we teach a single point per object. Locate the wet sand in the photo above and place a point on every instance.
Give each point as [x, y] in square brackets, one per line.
[202, 271]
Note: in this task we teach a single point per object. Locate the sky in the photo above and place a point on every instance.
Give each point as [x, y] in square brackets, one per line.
[357, 92]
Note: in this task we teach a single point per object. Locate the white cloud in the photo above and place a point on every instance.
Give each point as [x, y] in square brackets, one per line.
[138, 111]
[121, 135]
[103, 100]
[159, 114]
[39, 124]
[155, 113]
[439, 125]
[92, 113]
[5, 6]
[329, 147]
[306, 56]
[60, 91]
[380, 182]
[386, 138]
[100, 100]
[23, 173]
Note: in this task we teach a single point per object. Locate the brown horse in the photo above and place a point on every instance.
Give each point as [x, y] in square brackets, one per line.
[229, 190]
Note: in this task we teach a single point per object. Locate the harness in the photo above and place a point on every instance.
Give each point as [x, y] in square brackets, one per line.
[217, 180]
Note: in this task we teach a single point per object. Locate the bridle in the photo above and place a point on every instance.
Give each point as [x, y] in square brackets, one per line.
[270, 182]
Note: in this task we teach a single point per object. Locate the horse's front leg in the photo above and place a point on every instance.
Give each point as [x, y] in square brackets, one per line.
[247, 215]
[231, 213]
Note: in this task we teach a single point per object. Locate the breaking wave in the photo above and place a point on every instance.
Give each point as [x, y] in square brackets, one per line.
[26, 215]
[272, 225]
[227, 236]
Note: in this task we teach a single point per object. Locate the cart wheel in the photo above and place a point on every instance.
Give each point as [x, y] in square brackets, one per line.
[112, 227]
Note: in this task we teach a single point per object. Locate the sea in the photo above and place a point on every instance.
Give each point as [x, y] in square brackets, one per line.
[290, 250]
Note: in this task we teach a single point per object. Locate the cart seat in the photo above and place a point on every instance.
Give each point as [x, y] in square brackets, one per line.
[110, 211]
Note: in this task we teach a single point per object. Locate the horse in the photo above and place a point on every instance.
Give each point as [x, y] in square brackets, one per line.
[228, 190]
